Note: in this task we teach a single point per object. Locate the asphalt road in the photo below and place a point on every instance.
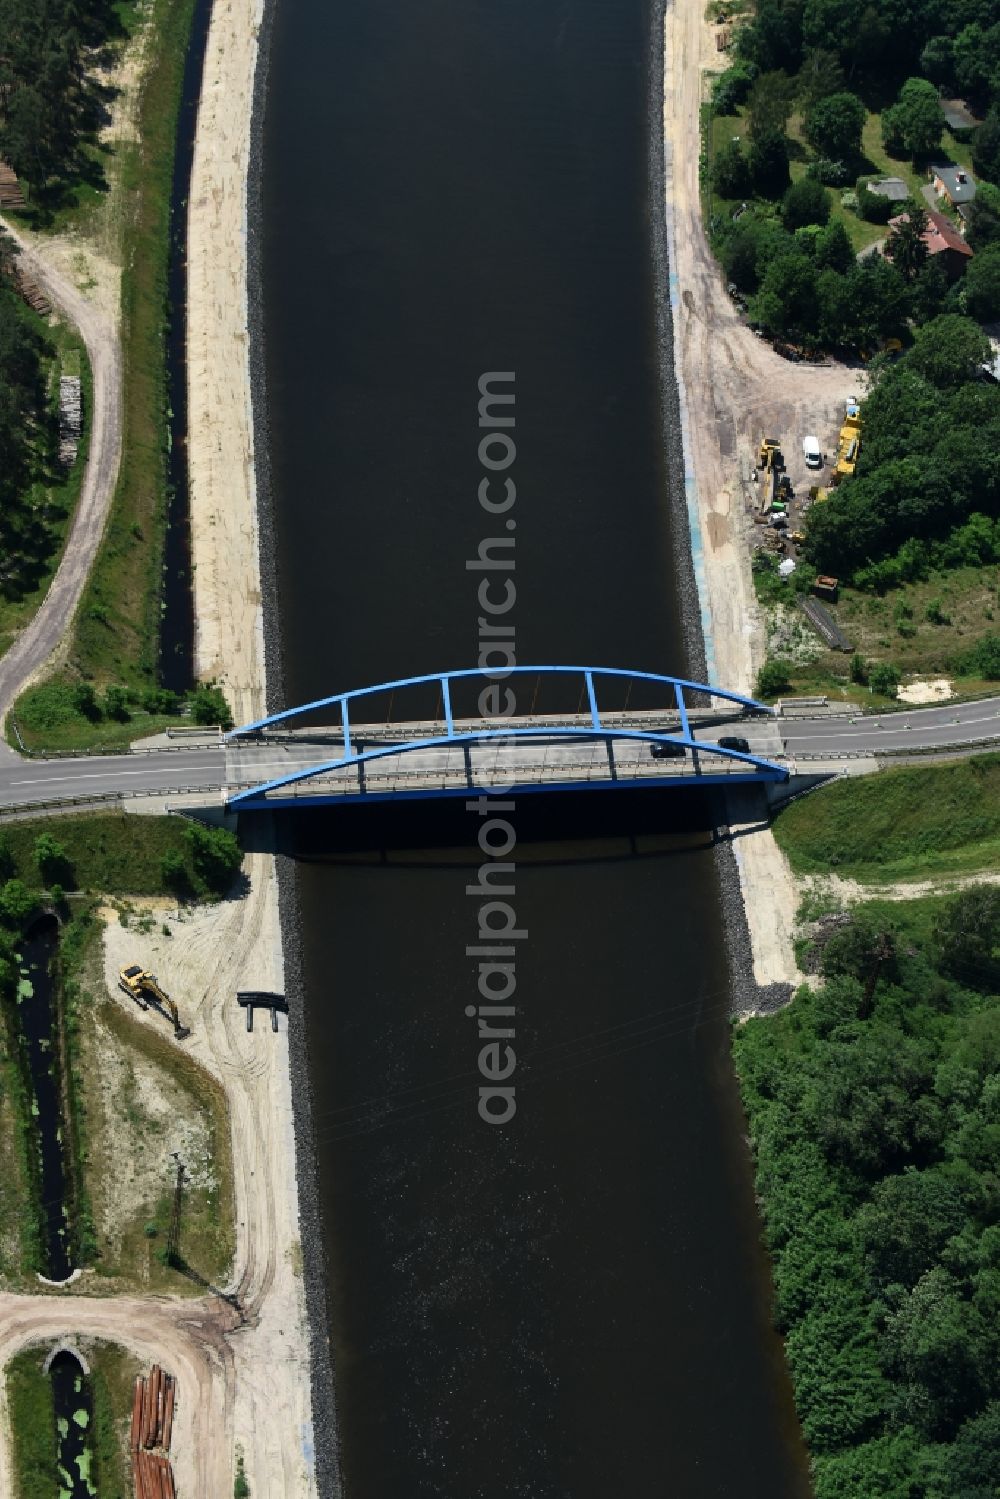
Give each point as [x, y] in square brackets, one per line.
[920, 728]
[175, 770]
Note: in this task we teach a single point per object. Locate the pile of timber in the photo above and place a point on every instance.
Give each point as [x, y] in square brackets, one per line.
[70, 418]
[30, 291]
[152, 1423]
[11, 195]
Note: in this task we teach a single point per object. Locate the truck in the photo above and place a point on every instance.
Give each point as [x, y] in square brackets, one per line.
[144, 987]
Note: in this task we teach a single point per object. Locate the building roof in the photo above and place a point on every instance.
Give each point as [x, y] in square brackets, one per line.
[956, 181]
[893, 188]
[939, 234]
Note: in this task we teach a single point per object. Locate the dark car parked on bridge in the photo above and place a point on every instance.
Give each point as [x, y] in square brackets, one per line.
[734, 742]
[667, 751]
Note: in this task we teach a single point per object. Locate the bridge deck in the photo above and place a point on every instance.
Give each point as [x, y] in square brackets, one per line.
[537, 763]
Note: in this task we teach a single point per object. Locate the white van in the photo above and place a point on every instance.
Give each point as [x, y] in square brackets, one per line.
[811, 452]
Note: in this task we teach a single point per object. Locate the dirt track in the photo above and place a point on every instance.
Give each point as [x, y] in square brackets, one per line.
[99, 332]
[736, 387]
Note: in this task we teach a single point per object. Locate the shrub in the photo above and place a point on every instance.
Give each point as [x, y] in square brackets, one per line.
[872, 207]
[983, 660]
[174, 873]
[52, 861]
[773, 678]
[116, 704]
[805, 202]
[732, 88]
[830, 172]
[215, 854]
[209, 706]
[883, 678]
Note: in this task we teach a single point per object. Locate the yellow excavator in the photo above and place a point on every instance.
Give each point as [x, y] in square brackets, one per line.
[145, 989]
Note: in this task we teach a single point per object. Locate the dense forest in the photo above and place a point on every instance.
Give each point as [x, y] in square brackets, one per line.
[818, 88]
[29, 432]
[50, 102]
[926, 493]
[874, 1107]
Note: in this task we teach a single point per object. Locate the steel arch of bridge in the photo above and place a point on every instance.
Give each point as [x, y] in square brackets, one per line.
[759, 768]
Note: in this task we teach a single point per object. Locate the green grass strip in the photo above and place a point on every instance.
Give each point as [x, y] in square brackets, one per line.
[913, 823]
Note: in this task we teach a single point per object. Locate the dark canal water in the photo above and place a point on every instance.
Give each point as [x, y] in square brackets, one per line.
[573, 1305]
[36, 1011]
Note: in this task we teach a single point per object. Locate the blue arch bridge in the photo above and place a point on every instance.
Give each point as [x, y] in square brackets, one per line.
[527, 728]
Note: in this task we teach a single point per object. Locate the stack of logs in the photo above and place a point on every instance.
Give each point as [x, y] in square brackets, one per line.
[11, 195]
[70, 418]
[30, 291]
[152, 1420]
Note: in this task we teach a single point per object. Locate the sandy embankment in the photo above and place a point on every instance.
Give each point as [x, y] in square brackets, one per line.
[224, 524]
[733, 387]
[272, 1419]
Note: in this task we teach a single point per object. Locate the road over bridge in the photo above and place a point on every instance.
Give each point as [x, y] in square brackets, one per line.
[213, 771]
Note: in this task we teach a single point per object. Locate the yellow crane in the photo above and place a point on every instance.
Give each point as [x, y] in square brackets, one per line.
[144, 988]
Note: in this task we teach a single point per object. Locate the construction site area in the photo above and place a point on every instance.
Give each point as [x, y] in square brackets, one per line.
[780, 489]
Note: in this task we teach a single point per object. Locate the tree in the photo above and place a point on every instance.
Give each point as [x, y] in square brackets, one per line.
[906, 247]
[983, 224]
[837, 316]
[972, 1462]
[16, 903]
[769, 163]
[8, 864]
[937, 60]
[731, 172]
[805, 202]
[981, 285]
[986, 147]
[933, 1346]
[883, 678]
[907, 1222]
[820, 76]
[787, 301]
[914, 124]
[770, 103]
[929, 291]
[834, 251]
[967, 936]
[834, 126]
[948, 351]
[52, 861]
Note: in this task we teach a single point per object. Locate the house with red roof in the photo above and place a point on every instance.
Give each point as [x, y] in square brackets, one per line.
[943, 241]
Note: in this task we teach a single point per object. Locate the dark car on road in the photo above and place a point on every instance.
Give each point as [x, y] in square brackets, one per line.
[667, 751]
[734, 742]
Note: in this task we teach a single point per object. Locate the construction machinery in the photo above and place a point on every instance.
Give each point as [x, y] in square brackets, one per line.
[144, 988]
[848, 447]
[770, 462]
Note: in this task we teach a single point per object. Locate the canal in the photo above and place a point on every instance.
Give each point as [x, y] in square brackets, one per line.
[574, 1304]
